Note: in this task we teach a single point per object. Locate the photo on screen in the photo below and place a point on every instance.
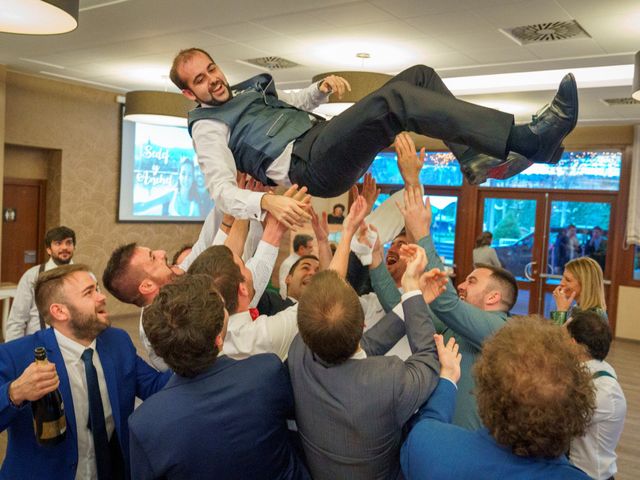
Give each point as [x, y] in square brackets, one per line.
[160, 180]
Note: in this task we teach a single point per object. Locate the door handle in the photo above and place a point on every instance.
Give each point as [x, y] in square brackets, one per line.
[529, 272]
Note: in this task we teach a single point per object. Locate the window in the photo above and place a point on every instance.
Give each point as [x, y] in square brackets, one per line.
[440, 168]
[574, 171]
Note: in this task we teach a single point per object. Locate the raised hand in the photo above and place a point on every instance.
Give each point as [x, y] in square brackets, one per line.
[290, 208]
[417, 215]
[416, 260]
[449, 358]
[334, 84]
[370, 191]
[320, 225]
[432, 284]
[356, 215]
[409, 163]
[563, 298]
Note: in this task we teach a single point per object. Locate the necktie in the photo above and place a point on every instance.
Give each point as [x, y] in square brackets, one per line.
[96, 418]
[254, 313]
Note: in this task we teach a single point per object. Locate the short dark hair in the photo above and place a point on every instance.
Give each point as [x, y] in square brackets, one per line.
[301, 240]
[182, 324]
[330, 317]
[182, 57]
[179, 252]
[217, 262]
[48, 287]
[59, 234]
[505, 282]
[297, 262]
[121, 280]
[338, 205]
[527, 366]
[590, 329]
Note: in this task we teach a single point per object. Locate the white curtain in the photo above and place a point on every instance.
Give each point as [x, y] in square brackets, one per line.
[633, 214]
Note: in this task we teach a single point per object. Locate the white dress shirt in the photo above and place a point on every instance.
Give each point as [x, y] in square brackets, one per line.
[265, 334]
[260, 266]
[24, 318]
[594, 453]
[72, 353]
[211, 143]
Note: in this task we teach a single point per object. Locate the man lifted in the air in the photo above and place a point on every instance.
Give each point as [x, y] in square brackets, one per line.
[270, 135]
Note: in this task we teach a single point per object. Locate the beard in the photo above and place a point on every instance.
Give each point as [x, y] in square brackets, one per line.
[216, 103]
[61, 261]
[86, 326]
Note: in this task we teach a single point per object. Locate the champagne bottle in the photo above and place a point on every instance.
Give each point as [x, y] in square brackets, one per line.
[49, 421]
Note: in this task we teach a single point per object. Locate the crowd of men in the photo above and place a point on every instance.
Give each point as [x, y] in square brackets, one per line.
[323, 379]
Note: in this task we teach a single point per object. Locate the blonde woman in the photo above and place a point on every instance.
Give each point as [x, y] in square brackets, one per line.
[582, 282]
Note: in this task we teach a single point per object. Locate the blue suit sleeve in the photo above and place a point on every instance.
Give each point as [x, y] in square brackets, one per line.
[7, 375]
[441, 404]
[148, 379]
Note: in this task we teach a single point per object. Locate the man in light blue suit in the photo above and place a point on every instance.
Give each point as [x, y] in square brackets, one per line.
[71, 303]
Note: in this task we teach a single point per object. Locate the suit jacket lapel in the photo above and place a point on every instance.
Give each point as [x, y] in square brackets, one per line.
[54, 356]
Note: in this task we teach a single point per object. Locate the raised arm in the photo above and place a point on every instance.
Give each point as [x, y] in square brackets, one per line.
[321, 230]
[351, 224]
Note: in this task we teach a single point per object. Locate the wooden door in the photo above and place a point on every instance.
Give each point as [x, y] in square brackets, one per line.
[23, 207]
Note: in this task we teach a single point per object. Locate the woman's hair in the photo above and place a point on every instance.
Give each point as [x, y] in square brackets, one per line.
[484, 239]
[193, 190]
[589, 275]
[534, 395]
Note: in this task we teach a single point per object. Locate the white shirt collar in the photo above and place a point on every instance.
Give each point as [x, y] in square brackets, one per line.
[359, 355]
[70, 346]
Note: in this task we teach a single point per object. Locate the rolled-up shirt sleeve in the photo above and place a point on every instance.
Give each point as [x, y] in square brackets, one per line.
[306, 98]
[261, 267]
[210, 140]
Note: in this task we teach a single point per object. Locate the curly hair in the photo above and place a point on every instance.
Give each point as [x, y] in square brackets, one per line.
[183, 322]
[534, 395]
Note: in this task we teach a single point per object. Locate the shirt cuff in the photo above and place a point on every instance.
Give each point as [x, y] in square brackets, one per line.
[220, 238]
[412, 293]
[254, 211]
[450, 381]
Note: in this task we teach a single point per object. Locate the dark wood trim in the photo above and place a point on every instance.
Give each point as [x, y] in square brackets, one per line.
[42, 206]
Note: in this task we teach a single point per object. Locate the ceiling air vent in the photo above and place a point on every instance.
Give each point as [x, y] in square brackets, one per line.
[272, 63]
[620, 101]
[545, 32]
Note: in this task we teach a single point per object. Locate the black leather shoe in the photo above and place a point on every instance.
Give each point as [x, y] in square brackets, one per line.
[556, 121]
[479, 167]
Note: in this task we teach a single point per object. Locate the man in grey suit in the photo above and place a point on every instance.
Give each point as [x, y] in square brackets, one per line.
[351, 403]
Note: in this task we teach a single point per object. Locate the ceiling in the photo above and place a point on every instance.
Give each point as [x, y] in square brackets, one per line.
[124, 45]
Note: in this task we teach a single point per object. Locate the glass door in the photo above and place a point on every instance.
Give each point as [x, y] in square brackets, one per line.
[536, 234]
[515, 221]
[577, 226]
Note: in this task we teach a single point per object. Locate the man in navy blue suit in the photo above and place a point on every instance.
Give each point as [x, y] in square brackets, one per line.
[80, 341]
[217, 417]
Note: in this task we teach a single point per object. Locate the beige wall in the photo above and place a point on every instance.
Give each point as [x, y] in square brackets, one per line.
[628, 320]
[80, 127]
[25, 162]
[3, 74]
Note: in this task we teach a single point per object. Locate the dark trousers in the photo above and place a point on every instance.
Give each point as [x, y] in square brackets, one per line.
[333, 155]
